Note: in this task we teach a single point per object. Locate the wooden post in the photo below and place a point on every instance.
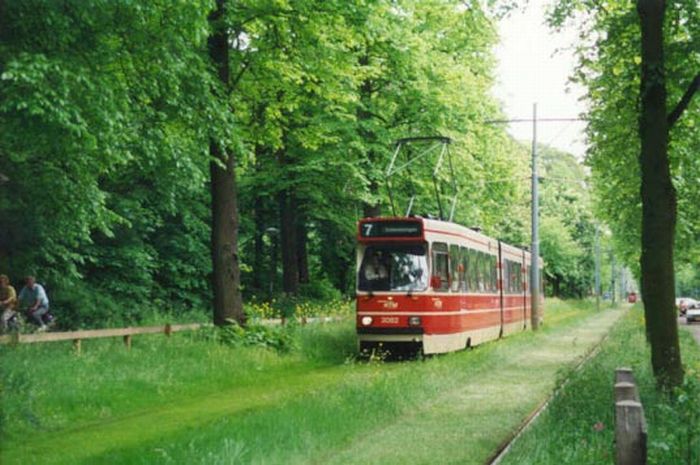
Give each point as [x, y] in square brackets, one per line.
[127, 341]
[624, 375]
[76, 346]
[626, 391]
[630, 433]
[168, 329]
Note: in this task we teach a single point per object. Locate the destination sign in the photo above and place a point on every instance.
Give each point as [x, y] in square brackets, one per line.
[391, 229]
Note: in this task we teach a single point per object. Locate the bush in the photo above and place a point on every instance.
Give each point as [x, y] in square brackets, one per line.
[279, 338]
[81, 306]
[321, 289]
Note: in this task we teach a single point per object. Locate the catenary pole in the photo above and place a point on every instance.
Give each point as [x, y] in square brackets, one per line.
[535, 314]
[612, 276]
[535, 247]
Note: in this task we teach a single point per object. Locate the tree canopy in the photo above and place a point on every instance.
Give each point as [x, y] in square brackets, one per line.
[108, 111]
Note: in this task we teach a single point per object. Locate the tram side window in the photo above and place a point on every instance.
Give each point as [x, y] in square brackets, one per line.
[485, 272]
[464, 274]
[526, 280]
[483, 284]
[512, 277]
[471, 271]
[490, 272]
[518, 284]
[455, 267]
[440, 267]
[494, 272]
[478, 279]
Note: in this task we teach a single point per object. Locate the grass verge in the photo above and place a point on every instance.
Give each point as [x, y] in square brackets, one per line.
[192, 400]
[578, 426]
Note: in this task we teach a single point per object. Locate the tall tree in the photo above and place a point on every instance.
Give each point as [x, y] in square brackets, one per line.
[228, 302]
[641, 201]
[658, 197]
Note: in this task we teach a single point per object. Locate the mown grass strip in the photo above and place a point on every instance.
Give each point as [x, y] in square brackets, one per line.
[467, 422]
[263, 408]
[578, 425]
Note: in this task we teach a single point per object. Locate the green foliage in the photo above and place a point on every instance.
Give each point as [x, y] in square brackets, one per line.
[275, 337]
[567, 228]
[611, 77]
[107, 110]
[105, 116]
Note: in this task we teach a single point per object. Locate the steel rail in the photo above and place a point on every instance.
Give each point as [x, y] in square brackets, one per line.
[503, 449]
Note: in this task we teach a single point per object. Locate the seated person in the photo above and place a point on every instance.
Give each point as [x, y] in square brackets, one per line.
[8, 300]
[375, 269]
[33, 298]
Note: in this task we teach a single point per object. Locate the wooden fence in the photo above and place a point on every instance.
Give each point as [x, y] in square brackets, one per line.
[78, 336]
[127, 333]
[630, 423]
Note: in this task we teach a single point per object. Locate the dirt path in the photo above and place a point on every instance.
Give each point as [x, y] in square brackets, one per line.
[459, 427]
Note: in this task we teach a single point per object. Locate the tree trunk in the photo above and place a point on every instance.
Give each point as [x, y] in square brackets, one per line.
[658, 202]
[302, 252]
[228, 303]
[288, 241]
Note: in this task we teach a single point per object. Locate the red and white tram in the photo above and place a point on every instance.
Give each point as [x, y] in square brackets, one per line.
[437, 285]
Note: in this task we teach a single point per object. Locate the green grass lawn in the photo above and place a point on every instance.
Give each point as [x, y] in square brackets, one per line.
[578, 426]
[189, 399]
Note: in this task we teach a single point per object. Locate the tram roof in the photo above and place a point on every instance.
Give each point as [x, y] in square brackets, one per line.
[433, 226]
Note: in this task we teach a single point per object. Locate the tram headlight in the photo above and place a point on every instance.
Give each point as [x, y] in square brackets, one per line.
[414, 321]
[366, 320]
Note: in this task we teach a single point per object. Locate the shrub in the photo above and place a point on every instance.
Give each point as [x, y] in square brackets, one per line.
[279, 338]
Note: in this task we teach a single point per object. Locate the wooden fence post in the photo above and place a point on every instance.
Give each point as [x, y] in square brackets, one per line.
[630, 433]
[624, 375]
[76, 346]
[626, 391]
[168, 329]
[127, 341]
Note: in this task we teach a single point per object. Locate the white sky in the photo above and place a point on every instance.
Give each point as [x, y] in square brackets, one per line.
[532, 70]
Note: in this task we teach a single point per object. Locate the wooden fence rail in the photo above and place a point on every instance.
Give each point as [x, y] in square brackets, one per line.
[630, 423]
[127, 333]
[78, 336]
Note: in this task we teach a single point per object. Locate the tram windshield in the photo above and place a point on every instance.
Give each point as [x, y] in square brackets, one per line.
[394, 268]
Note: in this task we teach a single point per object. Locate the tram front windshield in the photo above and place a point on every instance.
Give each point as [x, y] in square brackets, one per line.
[394, 268]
